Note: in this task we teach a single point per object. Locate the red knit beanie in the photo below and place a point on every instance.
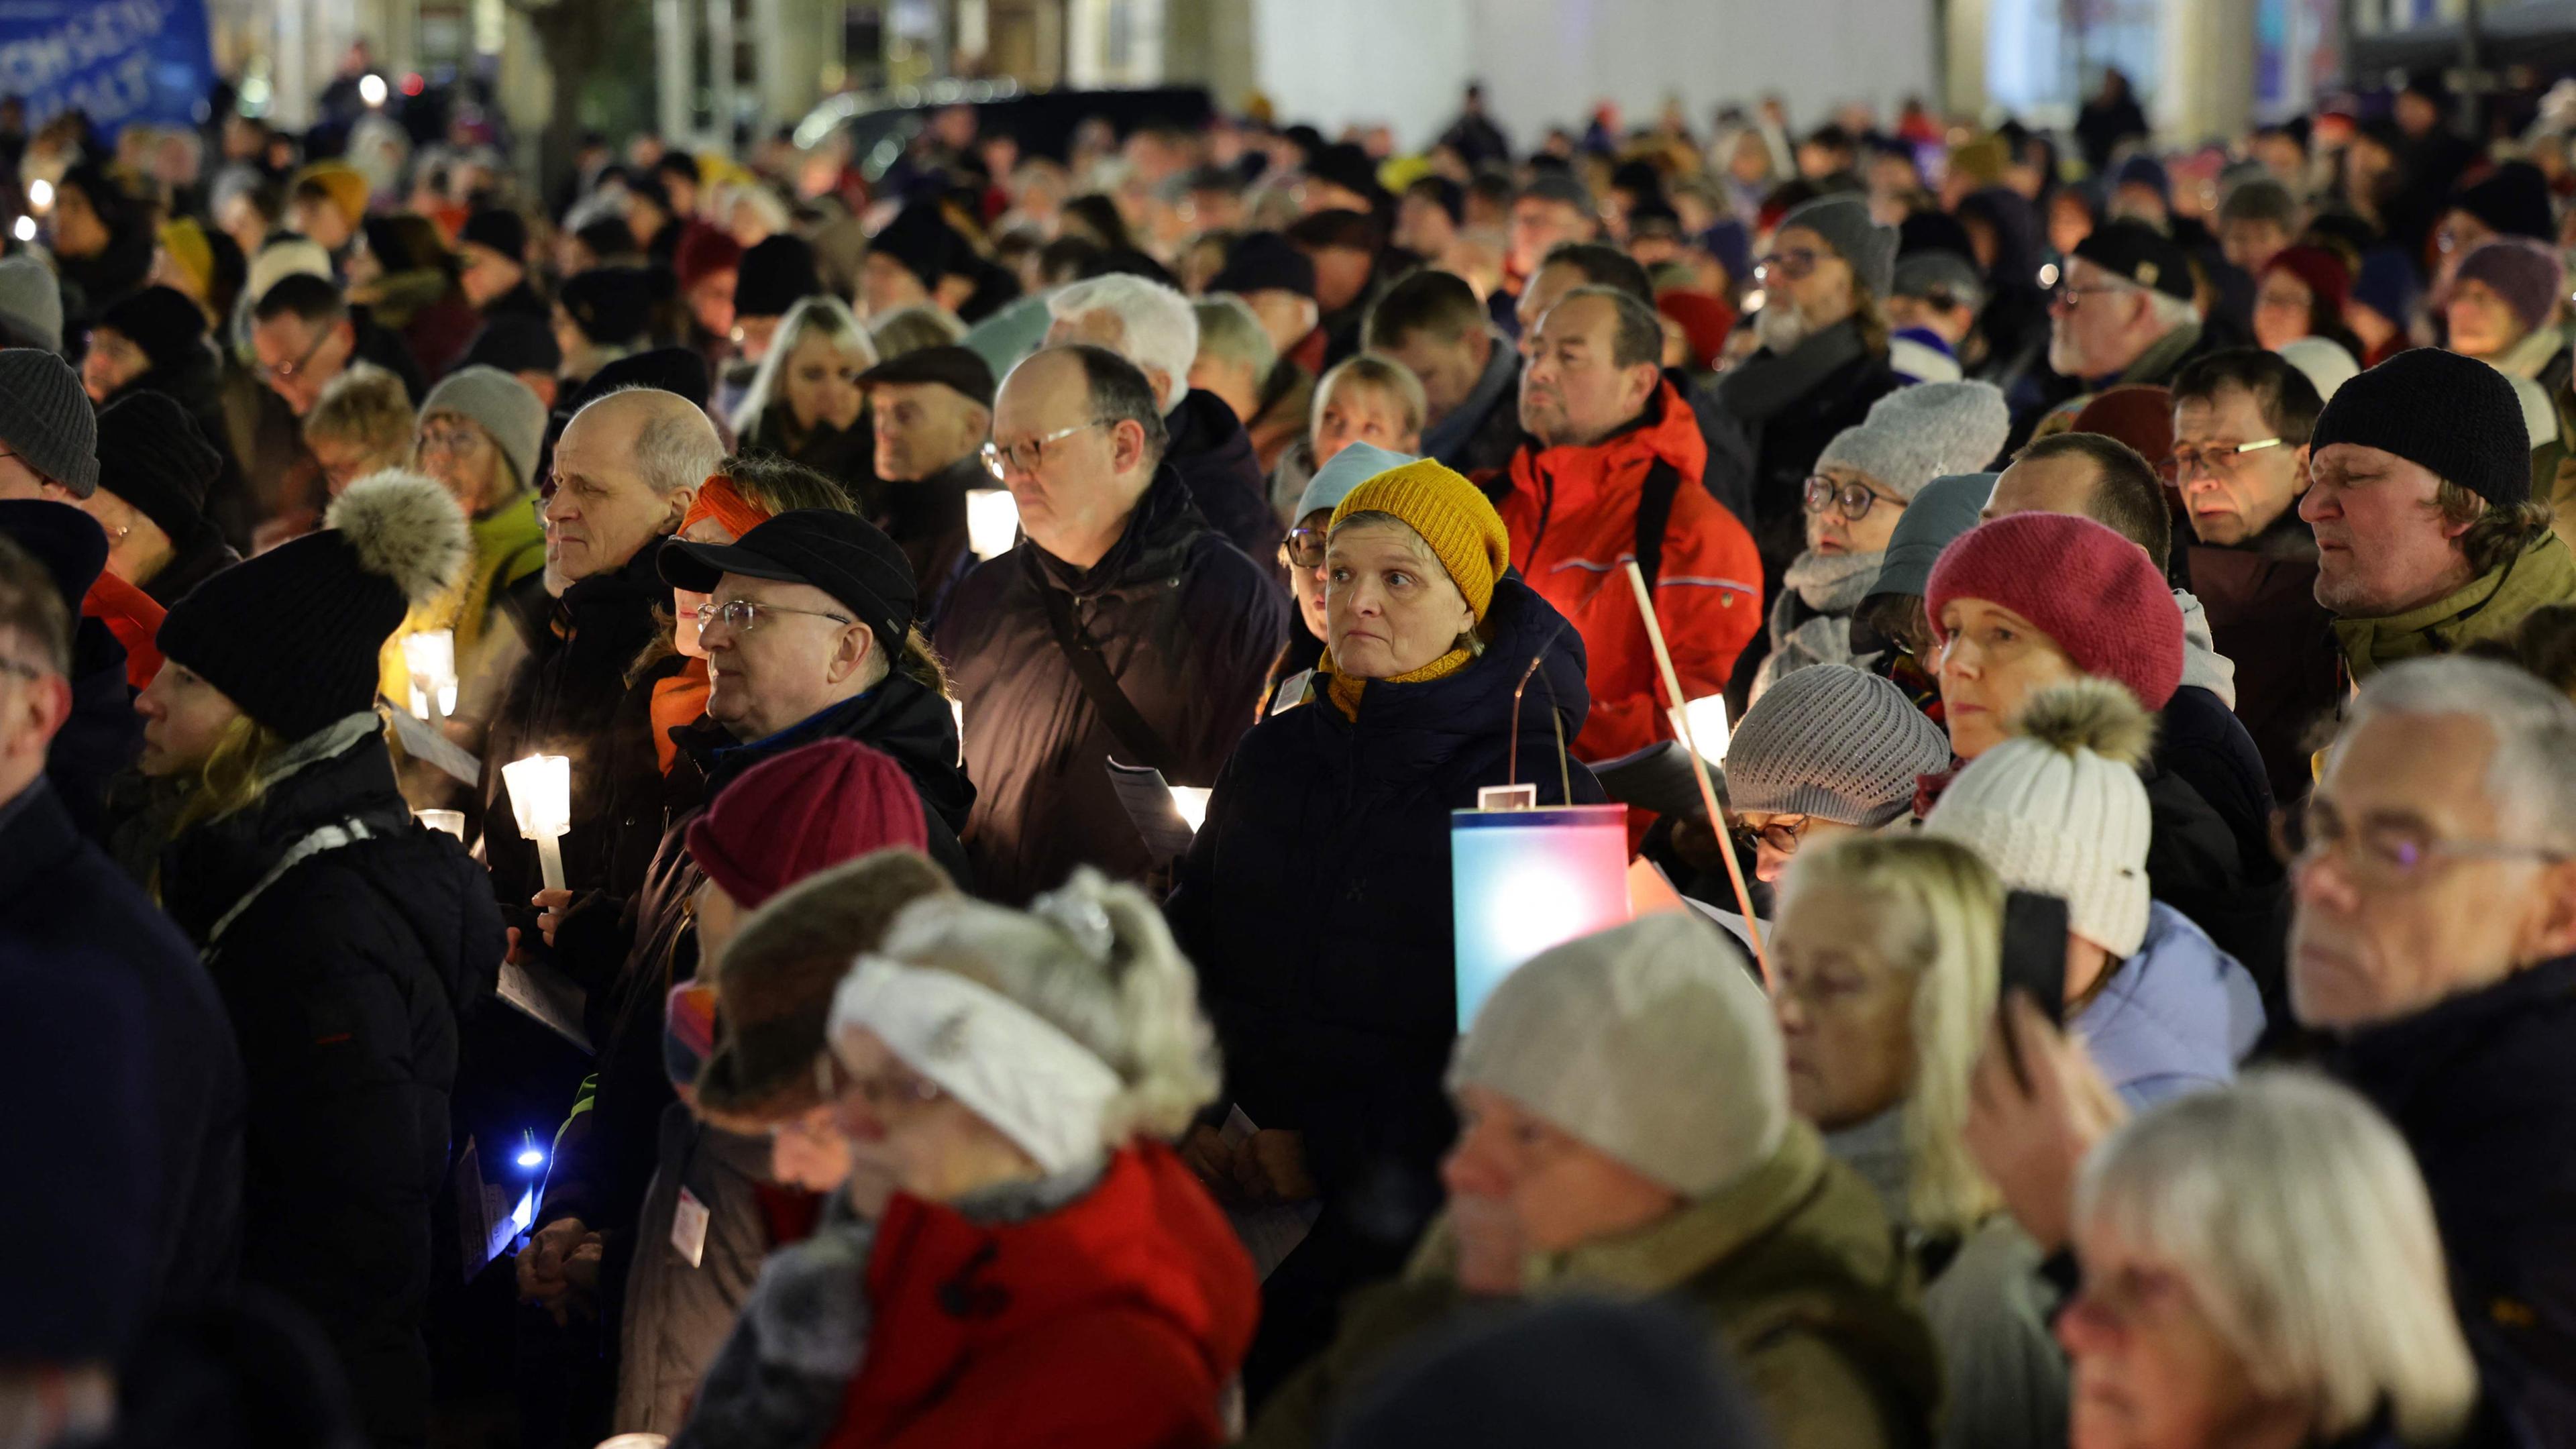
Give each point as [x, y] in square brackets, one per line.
[2091, 591]
[2138, 414]
[808, 809]
[2322, 270]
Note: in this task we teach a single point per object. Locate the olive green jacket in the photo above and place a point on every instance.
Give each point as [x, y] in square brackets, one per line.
[1806, 1299]
[2490, 606]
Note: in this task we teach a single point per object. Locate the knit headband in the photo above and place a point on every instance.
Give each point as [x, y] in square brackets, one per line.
[724, 503]
[1013, 1068]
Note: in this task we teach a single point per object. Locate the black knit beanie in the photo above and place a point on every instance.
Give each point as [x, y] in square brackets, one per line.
[775, 276]
[151, 454]
[611, 305]
[292, 635]
[162, 321]
[921, 240]
[2453, 415]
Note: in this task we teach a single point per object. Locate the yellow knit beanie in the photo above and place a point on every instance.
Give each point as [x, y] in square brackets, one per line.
[186, 243]
[346, 184]
[1437, 502]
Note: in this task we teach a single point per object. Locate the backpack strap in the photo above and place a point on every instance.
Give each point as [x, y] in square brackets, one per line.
[1654, 515]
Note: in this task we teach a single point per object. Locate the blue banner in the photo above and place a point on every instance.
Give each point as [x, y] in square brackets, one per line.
[119, 60]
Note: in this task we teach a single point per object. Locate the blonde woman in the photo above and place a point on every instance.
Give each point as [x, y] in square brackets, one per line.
[1885, 954]
[805, 402]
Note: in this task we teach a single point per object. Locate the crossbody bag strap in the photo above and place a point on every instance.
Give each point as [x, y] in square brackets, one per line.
[1138, 737]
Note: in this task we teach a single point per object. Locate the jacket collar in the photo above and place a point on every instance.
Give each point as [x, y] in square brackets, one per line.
[338, 773]
[2486, 606]
[2392, 1062]
[1502, 368]
[1155, 535]
[2160, 358]
[1666, 1254]
[898, 715]
[1766, 383]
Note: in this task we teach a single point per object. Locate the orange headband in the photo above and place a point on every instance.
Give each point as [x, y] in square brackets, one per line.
[724, 503]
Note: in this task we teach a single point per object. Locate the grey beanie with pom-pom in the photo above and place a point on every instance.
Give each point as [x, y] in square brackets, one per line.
[291, 636]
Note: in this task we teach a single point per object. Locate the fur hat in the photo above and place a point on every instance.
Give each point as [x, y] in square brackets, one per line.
[292, 635]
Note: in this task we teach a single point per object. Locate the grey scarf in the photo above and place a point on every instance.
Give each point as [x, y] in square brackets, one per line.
[1832, 585]
[1763, 384]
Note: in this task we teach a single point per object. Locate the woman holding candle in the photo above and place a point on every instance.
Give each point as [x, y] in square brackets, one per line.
[1316, 899]
[346, 939]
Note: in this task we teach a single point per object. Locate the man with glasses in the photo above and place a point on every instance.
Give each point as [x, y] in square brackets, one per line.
[2124, 313]
[2242, 418]
[1122, 626]
[304, 333]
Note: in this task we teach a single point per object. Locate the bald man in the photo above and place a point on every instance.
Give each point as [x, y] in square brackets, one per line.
[625, 472]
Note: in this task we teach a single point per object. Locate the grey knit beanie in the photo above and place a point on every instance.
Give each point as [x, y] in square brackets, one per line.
[502, 405]
[46, 419]
[1938, 514]
[31, 301]
[1916, 434]
[1845, 224]
[1649, 1041]
[1834, 742]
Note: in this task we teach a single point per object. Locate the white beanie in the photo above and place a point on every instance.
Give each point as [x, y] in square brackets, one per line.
[2058, 809]
[1649, 1041]
[1916, 434]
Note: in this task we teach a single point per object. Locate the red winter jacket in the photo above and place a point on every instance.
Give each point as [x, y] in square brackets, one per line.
[1572, 512]
[1115, 1322]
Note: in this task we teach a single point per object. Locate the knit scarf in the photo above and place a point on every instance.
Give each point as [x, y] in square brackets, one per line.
[1766, 383]
[1831, 586]
[1344, 689]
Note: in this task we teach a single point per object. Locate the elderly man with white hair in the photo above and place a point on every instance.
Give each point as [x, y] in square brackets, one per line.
[1152, 326]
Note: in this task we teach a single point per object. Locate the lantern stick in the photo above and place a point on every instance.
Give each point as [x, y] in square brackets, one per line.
[1699, 769]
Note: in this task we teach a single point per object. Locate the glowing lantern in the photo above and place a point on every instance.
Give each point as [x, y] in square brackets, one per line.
[1524, 880]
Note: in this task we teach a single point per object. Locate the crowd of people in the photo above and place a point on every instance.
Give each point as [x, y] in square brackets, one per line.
[756, 803]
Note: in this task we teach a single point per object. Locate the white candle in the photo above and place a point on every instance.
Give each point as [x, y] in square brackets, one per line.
[541, 797]
[451, 821]
[1191, 801]
[430, 656]
[992, 521]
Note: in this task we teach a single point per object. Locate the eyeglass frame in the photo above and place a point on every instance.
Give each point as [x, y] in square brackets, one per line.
[1840, 497]
[453, 440]
[1748, 834]
[1288, 547]
[1794, 264]
[2296, 845]
[2172, 466]
[2070, 296]
[289, 371]
[996, 457]
[712, 610]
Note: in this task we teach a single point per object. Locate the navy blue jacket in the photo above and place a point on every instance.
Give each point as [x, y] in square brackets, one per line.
[2484, 1088]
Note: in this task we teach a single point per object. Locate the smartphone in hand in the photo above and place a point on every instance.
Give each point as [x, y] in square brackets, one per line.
[2034, 963]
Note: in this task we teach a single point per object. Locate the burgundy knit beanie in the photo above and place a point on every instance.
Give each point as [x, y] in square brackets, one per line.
[808, 809]
[2526, 274]
[2088, 589]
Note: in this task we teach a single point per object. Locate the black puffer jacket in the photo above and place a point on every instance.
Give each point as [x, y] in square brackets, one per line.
[1188, 627]
[347, 964]
[1214, 456]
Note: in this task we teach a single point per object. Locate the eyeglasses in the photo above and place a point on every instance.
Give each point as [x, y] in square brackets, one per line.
[832, 1080]
[1026, 457]
[2070, 296]
[2381, 851]
[1781, 835]
[1852, 500]
[288, 371]
[1793, 264]
[1304, 548]
[2215, 459]
[742, 615]
[450, 440]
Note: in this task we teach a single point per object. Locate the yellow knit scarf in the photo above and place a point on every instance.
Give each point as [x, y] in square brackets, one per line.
[1344, 689]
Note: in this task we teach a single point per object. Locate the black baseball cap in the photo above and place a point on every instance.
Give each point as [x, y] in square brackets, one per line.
[2137, 252]
[960, 370]
[840, 553]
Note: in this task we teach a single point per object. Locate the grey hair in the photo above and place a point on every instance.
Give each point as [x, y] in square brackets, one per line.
[910, 329]
[1157, 328]
[2530, 780]
[2171, 311]
[824, 316]
[2297, 1217]
[1096, 962]
[675, 447]
[1231, 332]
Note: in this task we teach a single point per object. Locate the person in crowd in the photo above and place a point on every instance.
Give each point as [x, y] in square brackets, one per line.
[2242, 423]
[1271, 396]
[347, 939]
[1552, 209]
[492, 265]
[2057, 807]
[1429, 640]
[1821, 757]
[2303, 291]
[909, 329]
[1888, 967]
[325, 202]
[65, 906]
[1595, 1158]
[771, 279]
[600, 316]
[1890, 629]
[1612, 470]
[931, 412]
[406, 277]
[1932, 301]
[2258, 219]
[2036, 599]
[1822, 360]
[753, 1138]
[201, 263]
[2419, 493]
[1144, 670]
[1302, 555]
[49, 451]
[305, 333]
[102, 238]
[1150, 324]
[625, 472]
[361, 423]
[1277, 281]
[2124, 312]
[100, 737]
[1365, 398]
[708, 267]
[1431, 322]
[525, 348]
[154, 468]
[2504, 309]
[1345, 246]
[1862, 484]
[156, 341]
[805, 401]
[1016, 1075]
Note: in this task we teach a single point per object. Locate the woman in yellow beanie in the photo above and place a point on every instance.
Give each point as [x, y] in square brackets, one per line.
[1315, 901]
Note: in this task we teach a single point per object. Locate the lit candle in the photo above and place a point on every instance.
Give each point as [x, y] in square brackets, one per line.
[992, 521]
[451, 821]
[1703, 723]
[430, 656]
[1191, 801]
[541, 797]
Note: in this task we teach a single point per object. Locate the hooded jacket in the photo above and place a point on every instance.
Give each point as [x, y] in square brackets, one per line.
[1341, 1027]
[1117, 1319]
[347, 968]
[1791, 1270]
[2490, 606]
[1572, 513]
[1213, 455]
[1187, 626]
[2177, 1016]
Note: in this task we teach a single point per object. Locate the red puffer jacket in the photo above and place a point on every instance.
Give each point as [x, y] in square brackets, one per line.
[1572, 512]
[1115, 1322]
